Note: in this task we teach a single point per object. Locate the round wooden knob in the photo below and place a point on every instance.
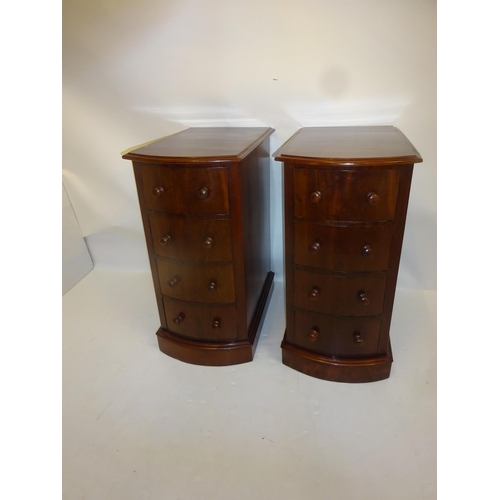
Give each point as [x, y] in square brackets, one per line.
[178, 319]
[314, 248]
[367, 251]
[315, 196]
[373, 198]
[203, 193]
[157, 191]
[314, 294]
[216, 323]
[208, 242]
[363, 298]
[173, 282]
[358, 341]
[313, 334]
[212, 286]
[165, 240]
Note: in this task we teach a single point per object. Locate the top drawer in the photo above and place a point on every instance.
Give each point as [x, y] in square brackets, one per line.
[183, 190]
[363, 194]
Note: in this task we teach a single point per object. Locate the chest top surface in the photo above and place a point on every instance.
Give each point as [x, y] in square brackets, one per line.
[202, 144]
[349, 146]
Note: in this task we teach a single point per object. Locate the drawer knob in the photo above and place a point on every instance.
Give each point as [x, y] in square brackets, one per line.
[203, 193]
[208, 242]
[212, 286]
[358, 341]
[314, 248]
[157, 191]
[363, 298]
[314, 294]
[367, 251]
[165, 240]
[178, 319]
[315, 196]
[373, 198]
[313, 334]
[216, 323]
[173, 282]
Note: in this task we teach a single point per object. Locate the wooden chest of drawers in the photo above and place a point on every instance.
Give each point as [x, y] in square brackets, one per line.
[204, 198]
[346, 195]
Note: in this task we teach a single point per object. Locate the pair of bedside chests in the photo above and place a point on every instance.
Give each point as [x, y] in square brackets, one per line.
[204, 195]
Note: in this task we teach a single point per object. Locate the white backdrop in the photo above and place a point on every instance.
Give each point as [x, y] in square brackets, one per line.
[136, 71]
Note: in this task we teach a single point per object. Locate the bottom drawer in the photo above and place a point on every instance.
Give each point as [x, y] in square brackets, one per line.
[336, 335]
[199, 321]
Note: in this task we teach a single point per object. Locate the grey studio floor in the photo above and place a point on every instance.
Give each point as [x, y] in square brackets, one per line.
[140, 425]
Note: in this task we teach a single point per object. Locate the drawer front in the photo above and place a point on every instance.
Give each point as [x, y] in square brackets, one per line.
[196, 283]
[349, 295]
[346, 195]
[201, 322]
[342, 248]
[189, 239]
[185, 190]
[336, 336]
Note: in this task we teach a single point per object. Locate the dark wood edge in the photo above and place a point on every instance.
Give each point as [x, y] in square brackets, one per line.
[198, 263]
[349, 370]
[343, 223]
[238, 248]
[395, 252]
[186, 161]
[329, 272]
[349, 162]
[149, 242]
[217, 160]
[255, 144]
[289, 245]
[260, 311]
[191, 215]
[144, 144]
[277, 153]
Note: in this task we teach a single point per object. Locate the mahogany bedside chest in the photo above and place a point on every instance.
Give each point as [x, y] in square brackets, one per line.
[346, 193]
[204, 199]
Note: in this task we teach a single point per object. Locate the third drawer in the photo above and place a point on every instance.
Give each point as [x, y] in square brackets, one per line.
[346, 295]
[343, 248]
[197, 283]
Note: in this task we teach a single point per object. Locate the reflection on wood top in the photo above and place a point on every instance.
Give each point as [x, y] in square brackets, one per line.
[349, 146]
[203, 144]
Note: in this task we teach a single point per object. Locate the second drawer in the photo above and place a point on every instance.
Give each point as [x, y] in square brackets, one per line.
[190, 239]
[346, 295]
[343, 248]
[196, 283]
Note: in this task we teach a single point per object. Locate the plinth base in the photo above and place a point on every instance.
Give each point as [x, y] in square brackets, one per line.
[352, 370]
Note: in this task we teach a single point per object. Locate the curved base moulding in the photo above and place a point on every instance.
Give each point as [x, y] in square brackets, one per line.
[219, 353]
[351, 370]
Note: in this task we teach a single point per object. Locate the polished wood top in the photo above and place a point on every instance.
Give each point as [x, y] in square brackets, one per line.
[349, 146]
[202, 144]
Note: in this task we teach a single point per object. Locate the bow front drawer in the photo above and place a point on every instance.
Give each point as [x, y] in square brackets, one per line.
[197, 283]
[191, 239]
[346, 195]
[346, 295]
[184, 190]
[199, 321]
[336, 336]
[342, 248]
